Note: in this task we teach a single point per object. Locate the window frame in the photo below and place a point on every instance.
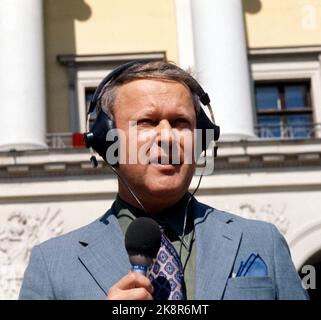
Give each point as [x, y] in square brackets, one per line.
[289, 64]
[282, 111]
[87, 71]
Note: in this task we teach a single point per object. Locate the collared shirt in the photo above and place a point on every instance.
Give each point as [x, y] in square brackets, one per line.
[171, 221]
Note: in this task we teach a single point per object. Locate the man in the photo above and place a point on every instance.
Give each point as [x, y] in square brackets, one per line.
[211, 255]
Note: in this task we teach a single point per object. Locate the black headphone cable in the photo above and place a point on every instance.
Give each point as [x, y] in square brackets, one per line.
[128, 187]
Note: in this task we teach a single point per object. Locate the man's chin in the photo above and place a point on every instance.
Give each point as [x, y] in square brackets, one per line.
[165, 192]
[168, 185]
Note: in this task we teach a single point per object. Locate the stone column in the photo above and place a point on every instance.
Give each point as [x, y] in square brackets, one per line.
[22, 79]
[222, 66]
[184, 32]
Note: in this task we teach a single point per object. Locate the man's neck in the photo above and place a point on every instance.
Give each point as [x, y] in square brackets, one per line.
[152, 205]
[175, 220]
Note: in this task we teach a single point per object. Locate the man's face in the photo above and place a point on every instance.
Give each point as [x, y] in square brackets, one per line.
[161, 116]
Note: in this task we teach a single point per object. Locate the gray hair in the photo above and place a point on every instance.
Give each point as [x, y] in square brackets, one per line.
[158, 70]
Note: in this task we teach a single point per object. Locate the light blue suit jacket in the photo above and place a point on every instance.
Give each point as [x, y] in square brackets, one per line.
[85, 263]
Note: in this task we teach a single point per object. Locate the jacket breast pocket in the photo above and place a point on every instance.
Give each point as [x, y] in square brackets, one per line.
[250, 288]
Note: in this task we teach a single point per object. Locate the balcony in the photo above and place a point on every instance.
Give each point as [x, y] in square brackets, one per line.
[69, 140]
[288, 132]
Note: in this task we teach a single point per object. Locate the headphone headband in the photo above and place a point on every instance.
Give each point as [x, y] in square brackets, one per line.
[96, 137]
[111, 76]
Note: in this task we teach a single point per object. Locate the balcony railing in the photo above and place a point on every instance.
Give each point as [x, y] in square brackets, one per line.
[64, 140]
[285, 132]
[272, 132]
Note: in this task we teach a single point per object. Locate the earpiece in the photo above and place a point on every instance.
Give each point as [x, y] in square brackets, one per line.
[95, 138]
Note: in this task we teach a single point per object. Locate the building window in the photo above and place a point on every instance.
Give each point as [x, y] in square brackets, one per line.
[85, 73]
[284, 109]
[89, 93]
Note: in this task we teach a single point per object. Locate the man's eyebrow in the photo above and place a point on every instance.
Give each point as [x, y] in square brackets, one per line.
[185, 114]
[146, 111]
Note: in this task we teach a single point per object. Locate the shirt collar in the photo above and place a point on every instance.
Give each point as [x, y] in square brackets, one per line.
[171, 217]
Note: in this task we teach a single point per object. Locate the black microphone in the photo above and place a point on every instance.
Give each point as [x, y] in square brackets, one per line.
[142, 242]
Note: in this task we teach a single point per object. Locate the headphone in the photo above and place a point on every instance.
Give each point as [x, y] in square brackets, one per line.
[95, 138]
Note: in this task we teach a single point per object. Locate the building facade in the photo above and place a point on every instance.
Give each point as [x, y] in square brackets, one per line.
[259, 60]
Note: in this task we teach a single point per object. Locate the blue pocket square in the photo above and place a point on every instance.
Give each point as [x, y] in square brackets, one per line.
[254, 266]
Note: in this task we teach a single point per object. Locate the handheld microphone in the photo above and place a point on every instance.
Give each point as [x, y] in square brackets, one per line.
[142, 242]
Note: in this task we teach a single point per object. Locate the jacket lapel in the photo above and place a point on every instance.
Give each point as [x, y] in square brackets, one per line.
[217, 242]
[105, 257]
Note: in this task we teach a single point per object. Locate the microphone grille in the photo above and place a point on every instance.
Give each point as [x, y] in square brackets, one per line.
[143, 237]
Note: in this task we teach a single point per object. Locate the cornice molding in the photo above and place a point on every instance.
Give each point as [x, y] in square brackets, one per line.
[72, 59]
[288, 53]
[233, 156]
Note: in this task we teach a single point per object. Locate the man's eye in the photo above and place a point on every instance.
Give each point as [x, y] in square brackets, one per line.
[145, 122]
[182, 122]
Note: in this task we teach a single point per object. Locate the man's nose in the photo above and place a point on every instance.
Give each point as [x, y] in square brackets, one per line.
[165, 132]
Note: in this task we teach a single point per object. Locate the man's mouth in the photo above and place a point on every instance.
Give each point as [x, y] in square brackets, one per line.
[165, 161]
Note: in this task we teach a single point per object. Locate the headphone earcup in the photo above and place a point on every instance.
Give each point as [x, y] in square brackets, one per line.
[96, 138]
[209, 131]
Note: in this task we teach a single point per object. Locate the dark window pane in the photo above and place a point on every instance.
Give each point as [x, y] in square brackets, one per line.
[294, 96]
[266, 98]
[284, 109]
[299, 125]
[269, 126]
[89, 93]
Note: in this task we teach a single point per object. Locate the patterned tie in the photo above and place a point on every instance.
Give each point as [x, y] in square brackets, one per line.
[166, 273]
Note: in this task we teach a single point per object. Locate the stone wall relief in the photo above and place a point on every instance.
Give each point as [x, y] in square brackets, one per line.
[267, 212]
[19, 234]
